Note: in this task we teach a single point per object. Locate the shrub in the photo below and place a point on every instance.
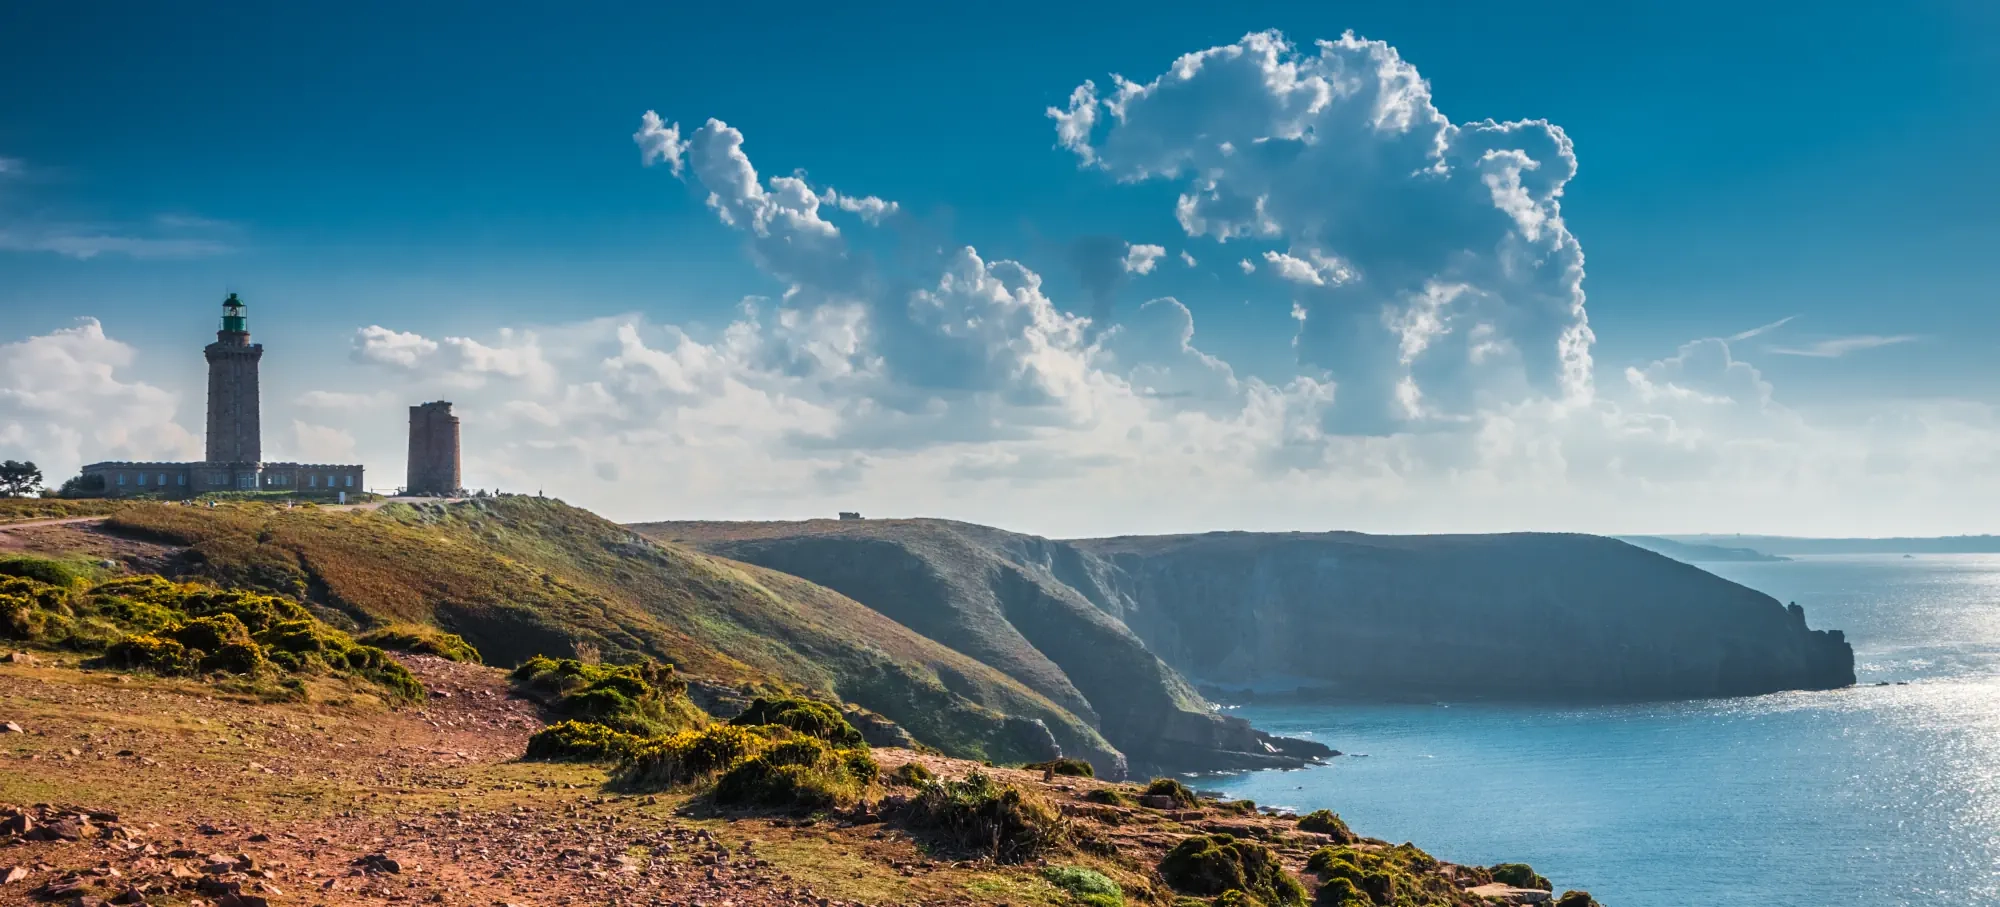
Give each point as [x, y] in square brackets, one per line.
[1392, 875]
[152, 653]
[814, 719]
[646, 699]
[1520, 875]
[1576, 899]
[220, 642]
[1174, 790]
[423, 641]
[997, 820]
[32, 610]
[1327, 822]
[578, 741]
[1112, 796]
[210, 633]
[1075, 768]
[861, 764]
[689, 756]
[1214, 864]
[914, 774]
[1341, 892]
[154, 624]
[802, 774]
[255, 611]
[1237, 897]
[1087, 886]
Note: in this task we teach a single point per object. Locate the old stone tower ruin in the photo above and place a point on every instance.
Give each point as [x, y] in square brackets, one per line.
[433, 450]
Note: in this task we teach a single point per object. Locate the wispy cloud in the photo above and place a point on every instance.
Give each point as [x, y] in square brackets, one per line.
[169, 235]
[88, 245]
[1761, 329]
[1836, 347]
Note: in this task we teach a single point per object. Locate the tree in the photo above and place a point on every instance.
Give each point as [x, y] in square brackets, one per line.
[81, 487]
[18, 479]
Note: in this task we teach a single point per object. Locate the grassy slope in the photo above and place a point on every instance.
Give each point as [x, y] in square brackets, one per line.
[23, 510]
[990, 594]
[521, 576]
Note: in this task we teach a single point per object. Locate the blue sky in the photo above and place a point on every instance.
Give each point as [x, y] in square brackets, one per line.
[466, 171]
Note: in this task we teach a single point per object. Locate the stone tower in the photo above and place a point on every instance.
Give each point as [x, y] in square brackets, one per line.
[433, 450]
[233, 430]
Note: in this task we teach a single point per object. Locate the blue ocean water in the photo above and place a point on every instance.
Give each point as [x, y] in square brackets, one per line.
[1876, 795]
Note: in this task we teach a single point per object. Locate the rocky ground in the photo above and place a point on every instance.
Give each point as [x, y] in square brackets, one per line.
[128, 790]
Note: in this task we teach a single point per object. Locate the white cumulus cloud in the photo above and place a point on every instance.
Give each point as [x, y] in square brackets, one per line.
[1140, 259]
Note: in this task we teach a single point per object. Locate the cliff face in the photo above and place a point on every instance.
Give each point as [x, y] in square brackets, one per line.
[1110, 629]
[1530, 616]
[999, 598]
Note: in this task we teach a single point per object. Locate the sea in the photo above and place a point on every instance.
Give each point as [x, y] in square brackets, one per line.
[1873, 795]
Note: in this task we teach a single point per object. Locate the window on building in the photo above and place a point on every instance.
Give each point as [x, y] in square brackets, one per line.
[350, 481]
[181, 479]
[312, 481]
[121, 478]
[163, 480]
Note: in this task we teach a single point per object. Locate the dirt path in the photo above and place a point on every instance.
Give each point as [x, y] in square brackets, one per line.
[64, 521]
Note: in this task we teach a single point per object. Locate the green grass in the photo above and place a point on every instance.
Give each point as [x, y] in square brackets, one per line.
[1086, 886]
[23, 510]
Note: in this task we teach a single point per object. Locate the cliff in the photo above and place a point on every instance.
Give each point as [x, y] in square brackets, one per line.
[1518, 616]
[1528, 616]
[994, 596]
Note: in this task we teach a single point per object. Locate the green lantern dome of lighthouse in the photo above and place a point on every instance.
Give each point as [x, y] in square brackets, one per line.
[233, 319]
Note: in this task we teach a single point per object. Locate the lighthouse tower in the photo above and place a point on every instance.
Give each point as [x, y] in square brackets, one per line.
[234, 432]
